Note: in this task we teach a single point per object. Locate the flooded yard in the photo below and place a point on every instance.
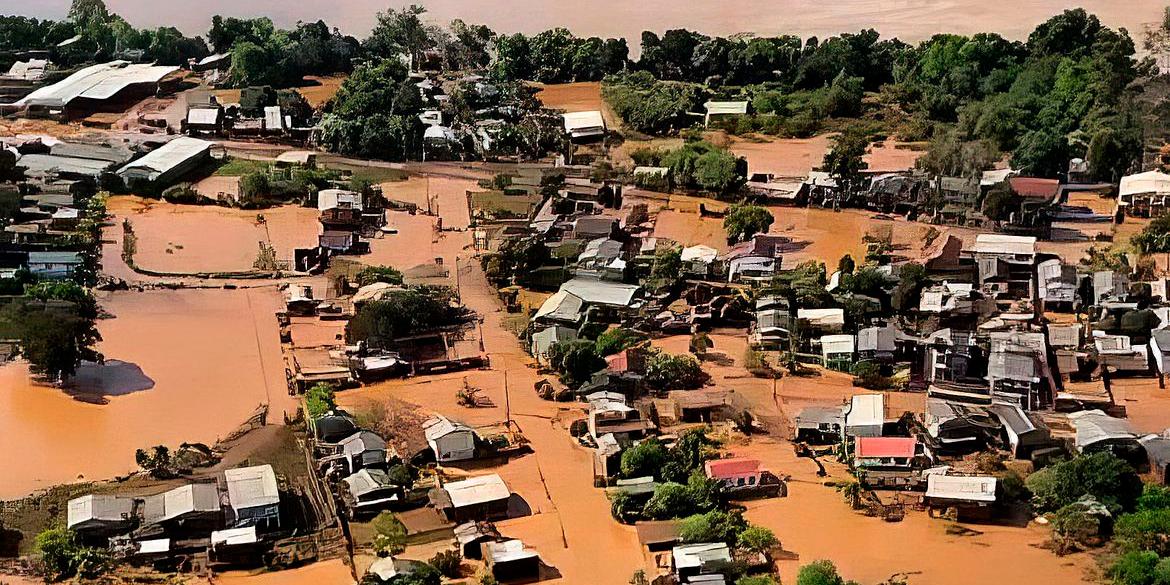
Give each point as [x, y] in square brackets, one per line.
[187, 365]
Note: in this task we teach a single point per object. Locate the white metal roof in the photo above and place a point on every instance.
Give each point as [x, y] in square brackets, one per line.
[561, 305]
[440, 426]
[582, 124]
[601, 292]
[477, 490]
[1004, 244]
[158, 545]
[366, 481]
[507, 551]
[1094, 426]
[100, 507]
[1147, 182]
[866, 410]
[187, 499]
[334, 198]
[99, 82]
[250, 487]
[168, 156]
[234, 536]
[822, 316]
[691, 556]
[959, 487]
[203, 115]
[704, 254]
[831, 344]
[720, 108]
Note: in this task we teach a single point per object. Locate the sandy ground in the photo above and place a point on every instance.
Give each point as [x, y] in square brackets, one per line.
[910, 20]
[188, 365]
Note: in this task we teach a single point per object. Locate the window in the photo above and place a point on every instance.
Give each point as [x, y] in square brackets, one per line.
[752, 480]
[739, 481]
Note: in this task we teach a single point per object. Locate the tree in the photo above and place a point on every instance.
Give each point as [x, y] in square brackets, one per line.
[744, 221]
[55, 341]
[1101, 475]
[667, 267]
[644, 459]
[575, 361]
[713, 526]
[666, 371]
[757, 539]
[157, 462]
[616, 339]
[756, 580]
[718, 171]
[63, 556]
[950, 156]
[845, 161]
[449, 563]
[820, 572]
[1001, 202]
[403, 313]
[401, 32]
[319, 400]
[371, 274]
[389, 534]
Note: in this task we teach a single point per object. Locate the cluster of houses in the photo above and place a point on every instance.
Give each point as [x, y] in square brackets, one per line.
[52, 182]
[230, 520]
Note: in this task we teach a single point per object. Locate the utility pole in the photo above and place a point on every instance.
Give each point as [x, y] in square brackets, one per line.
[507, 403]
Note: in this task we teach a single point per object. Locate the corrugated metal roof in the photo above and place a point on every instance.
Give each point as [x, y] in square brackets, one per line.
[101, 507]
[602, 292]
[960, 487]
[99, 82]
[250, 487]
[167, 157]
[477, 490]
[883, 447]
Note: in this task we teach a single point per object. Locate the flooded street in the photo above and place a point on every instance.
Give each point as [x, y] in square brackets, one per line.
[188, 365]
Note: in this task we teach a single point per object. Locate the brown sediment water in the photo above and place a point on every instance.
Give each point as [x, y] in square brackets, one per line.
[184, 365]
[332, 572]
[910, 20]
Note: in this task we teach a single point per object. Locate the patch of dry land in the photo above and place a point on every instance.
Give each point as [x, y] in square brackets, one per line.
[183, 365]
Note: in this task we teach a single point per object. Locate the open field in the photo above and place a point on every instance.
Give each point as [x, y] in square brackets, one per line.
[186, 365]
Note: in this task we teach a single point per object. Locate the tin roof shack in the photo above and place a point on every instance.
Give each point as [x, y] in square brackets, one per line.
[692, 406]
[480, 498]
[960, 496]
[658, 535]
[166, 164]
[254, 496]
[1109, 286]
[544, 339]
[755, 260]
[601, 301]
[888, 461]
[865, 416]
[1160, 349]
[777, 190]
[691, 560]
[895, 193]
[773, 326]
[1057, 283]
[1018, 369]
[1118, 354]
[743, 478]
[236, 546]
[952, 356]
[369, 491]
[511, 560]
[819, 188]
[450, 441]
[955, 428]
[1097, 431]
[1023, 432]
[105, 87]
[1005, 265]
[98, 516]
[698, 261]
[877, 343]
[363, 449]
[470, 535]
[54, 265]
[837, 352]
[1144, 194]
[1157, 449]
[191, 510]
[724, 108]
[821, 425]
[584, 126]
[614, 417]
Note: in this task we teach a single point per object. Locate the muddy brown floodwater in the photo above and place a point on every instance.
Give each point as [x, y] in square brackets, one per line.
[186, 365]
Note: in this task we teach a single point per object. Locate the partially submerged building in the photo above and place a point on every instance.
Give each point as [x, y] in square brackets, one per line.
[479, 498]
[168, 163]
[254, 496]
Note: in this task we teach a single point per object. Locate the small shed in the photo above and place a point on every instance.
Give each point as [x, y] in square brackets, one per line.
[100, 514]
[364, 449]
[371, 490]
[511, 560]
[253, 495]
[477, 498]
[690, 560]
[866, 415]
[450, 441]
[837, 352]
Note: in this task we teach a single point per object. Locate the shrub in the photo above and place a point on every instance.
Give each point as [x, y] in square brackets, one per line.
[389, 534]
[757, 539]
[63, 556]
[820, 572]
[666, 371]
[371, 274]
[744, 221]
[320, 399]
[713, 526]
[1102, 475]
[448, 563]
[614, 340]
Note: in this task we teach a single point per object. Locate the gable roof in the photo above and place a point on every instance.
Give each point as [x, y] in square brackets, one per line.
[168, 156]
[959, 487]
[97, 82]
[602, 292]
[727, 468]
[250, 487]
[477, 490]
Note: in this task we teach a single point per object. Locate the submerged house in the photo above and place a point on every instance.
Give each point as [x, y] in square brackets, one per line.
[479, 498]
[193, 506]
[967, 494]
[168, 163]
[253, 496]
[450, 441]
[100, 515]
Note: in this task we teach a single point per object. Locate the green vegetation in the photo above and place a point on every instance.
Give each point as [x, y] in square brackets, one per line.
[575, 361]
[515, 259]
[666, 371]
[264, 55]
[64, 557]
[648, 105]
[820, 572]
[616, 339]
[1101, 475]
[744, 221]
[389, 534]
[411, 311]
[371, 274]
[320, 398]
[1155, 237]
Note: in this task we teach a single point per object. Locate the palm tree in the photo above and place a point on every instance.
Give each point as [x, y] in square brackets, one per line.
[851, 491]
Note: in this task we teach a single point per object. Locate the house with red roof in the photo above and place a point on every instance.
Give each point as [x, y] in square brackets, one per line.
[743, 477]
[885, 453]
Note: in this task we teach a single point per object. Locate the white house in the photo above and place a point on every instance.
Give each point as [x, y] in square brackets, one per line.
[451, 441]
[866, 415]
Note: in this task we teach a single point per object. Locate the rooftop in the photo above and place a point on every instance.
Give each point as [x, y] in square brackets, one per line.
[97, 82]
[883, 447]
[959, 487]
[477, 490]
[250, 487]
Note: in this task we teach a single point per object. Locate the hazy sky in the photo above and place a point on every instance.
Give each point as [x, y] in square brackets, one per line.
[908, 19]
